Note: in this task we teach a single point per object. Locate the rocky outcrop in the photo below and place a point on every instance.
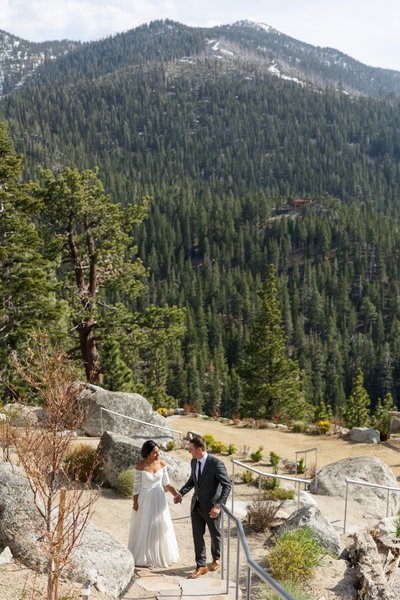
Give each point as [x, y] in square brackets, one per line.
[102, 560]
[99, 557]
[331, 481]
[20, 415]
[311, 517]
[368, 568]
[140, 424]
[21, 529]
[119, 452]
[364, 435]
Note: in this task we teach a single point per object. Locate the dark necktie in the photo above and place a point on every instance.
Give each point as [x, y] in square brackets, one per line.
[198, 470]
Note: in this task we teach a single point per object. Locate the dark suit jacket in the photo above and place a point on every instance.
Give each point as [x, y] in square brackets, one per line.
[214, 485]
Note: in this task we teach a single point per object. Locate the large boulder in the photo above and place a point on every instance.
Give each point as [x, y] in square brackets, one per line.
[142, 422]
[98, 558]
[364, 435]
[21, 415]
[102, 560]
[20, 525]
[311, 517]
[119, 452]
[331, 481]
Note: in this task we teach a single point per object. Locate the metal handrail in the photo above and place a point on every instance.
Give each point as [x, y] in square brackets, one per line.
[389, 488]
[136, 420]
[297, 481]
[252, 566]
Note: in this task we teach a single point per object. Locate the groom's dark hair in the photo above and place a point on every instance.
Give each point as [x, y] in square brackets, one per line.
[198, 442]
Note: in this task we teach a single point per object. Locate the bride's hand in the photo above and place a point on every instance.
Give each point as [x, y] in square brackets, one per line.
[135, 505]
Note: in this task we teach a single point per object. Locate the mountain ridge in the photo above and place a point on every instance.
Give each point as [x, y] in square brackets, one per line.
[282, 55]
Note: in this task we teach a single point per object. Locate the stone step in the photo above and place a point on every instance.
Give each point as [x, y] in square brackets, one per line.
[209, 586]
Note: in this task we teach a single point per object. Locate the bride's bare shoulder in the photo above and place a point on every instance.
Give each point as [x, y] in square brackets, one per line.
[139, 466]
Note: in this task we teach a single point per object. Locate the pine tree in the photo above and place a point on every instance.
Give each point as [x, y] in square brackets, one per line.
[90, 236]
[117, 375]
[357, 413]
[271, 379]
[28, 284]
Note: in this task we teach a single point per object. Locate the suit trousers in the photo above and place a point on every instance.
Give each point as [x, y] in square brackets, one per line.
[200, 519]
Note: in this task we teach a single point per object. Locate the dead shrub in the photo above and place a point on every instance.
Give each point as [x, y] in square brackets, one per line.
[262, 513]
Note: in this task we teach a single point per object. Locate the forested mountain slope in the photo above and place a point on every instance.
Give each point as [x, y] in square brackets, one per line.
[200, 120]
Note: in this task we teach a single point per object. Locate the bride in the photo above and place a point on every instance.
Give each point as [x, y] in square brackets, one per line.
[152, 538]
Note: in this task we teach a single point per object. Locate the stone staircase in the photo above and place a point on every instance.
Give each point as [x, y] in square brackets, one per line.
[174, 583]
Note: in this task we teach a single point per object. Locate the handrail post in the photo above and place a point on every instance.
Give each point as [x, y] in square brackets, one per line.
[345, 507]
[228, 560]
[248, 593]
[387, 504]
[237, 567]
[101, 420]
[233, 483]
[222, 543]
[298, 495]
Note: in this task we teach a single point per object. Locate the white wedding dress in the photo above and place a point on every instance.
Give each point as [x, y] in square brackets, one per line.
[152, 538]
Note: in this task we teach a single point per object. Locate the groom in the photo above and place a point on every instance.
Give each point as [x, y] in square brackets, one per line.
[211, 484]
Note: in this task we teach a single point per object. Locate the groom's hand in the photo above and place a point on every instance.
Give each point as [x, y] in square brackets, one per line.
[177, 498]
[214, 512]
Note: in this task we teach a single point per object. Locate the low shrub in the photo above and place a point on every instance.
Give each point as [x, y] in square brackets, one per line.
[257, 455]
[270, 483]
[295, 556]
[262, 513]
[231, 449]
[299, 426]
[324, 427]
[247, 476]
[279, 493]
[213, 445]
[80, 462]
[125, 483]
[397, 524]
[300, 466]
[274, 460]
[292, 588]
[171, 445]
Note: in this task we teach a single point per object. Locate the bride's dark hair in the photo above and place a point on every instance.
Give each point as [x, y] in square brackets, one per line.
[147, 448]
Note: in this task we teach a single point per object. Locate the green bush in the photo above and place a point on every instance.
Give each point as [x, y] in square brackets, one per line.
[213, 445]
[274, 460]
[295, 556]
[247, 476]
[171, 445]
[279, 493]
[397, 523]
[270, 483]
[81, 462]
[299, 426]
[300, 466]
[125, 482]
[257, 455]
[292, 588]
[231, 449]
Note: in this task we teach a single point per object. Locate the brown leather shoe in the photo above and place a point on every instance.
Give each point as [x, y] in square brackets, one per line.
[198, 572]
[215, 565]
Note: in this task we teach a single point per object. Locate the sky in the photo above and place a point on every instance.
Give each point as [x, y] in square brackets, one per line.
[367, 30]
